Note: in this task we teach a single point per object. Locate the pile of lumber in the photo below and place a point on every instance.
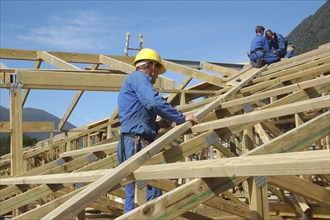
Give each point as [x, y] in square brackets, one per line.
[259, 151]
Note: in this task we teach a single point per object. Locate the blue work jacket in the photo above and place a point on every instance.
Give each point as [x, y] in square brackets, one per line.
[259, 42]
[279, 44]
[139, 104]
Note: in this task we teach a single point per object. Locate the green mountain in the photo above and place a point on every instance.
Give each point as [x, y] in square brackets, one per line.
[313, 31]
[33, 114]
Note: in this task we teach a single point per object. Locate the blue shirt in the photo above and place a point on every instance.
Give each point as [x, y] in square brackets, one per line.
[259, 42]
[139, 104]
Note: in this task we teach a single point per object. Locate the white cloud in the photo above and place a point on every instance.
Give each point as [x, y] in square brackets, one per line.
[80, 30]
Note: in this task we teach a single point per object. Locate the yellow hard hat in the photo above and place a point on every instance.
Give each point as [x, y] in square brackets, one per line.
[150, 54]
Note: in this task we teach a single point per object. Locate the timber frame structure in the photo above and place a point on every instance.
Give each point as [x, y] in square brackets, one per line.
[259, 151]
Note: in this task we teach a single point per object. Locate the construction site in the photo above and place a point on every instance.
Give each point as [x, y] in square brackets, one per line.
[260, 150]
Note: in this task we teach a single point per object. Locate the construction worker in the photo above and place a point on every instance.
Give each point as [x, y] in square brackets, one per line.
[260, 53]
[138, 105]
[279, 44]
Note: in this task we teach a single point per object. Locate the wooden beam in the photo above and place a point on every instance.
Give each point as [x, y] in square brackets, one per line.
[28, 197]
[278, 91]
[187, 71]
[29, 126]
[303, 188]
[110, 146]
[256, 116]
[297, 138]
[316, 71]
[181, 199]
[216, 103]
[16, 136]
[308, 162]
[224, 71]
[48, 207]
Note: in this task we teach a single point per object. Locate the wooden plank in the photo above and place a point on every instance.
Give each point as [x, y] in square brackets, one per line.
[318, 53]
[60, 178]
[29, 126]
[278, 91]
[48, 207]
[316, 71]
[16, 54]
[55, 61]
[28, 197]
[70, 109]
[216, 103]
[116, 64]
[196, 74]
[297, 138]
[47, 79]
[303, 188]
[110, 146]
[260, 115]
[294, 97]
[291, 70]
[230, 207]
[236, 79]
[224, 71]
[181, 199]
[16, 136]
[307, 162]
[281, 209]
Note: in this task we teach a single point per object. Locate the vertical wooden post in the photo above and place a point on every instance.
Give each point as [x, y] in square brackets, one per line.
[16, 137]
[255, 200]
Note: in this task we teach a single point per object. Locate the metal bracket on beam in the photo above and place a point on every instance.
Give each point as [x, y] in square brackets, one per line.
[15, 81]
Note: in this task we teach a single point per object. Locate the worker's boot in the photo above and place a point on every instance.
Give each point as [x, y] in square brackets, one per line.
[259, 63]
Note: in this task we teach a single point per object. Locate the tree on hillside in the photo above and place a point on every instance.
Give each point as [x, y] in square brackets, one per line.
[5, 143]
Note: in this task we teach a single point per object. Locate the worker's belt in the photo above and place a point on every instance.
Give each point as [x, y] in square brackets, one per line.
[137, 143]
[256, 50]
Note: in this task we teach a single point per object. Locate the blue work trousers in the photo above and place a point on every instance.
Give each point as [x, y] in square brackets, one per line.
[152, 192]
[268, 57]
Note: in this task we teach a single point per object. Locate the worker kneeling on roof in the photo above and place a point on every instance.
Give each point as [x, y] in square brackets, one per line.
[138, 105]
[260, 53]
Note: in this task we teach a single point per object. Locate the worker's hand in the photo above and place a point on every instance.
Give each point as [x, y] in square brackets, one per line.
[162, 123]
[191, 118]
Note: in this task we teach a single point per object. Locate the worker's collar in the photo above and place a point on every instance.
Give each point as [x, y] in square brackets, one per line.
[146, 75]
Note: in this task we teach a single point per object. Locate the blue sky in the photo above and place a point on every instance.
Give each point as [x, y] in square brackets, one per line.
[214, 31]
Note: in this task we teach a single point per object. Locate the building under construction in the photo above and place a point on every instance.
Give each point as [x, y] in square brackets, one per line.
[259, 151]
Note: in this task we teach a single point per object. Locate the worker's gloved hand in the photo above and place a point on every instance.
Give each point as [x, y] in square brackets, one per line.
[162, 123]
[191, 118]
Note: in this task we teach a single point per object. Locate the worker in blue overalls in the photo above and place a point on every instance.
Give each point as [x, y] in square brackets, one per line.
[138, 105]
[260, 53]
[279, 44]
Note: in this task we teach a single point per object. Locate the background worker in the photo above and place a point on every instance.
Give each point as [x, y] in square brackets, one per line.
[279, 44]
[138, 105]
[260, 53]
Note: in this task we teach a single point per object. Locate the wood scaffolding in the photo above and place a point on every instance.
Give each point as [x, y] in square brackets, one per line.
[259, 151]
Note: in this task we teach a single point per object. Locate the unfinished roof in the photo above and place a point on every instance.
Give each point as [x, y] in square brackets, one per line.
[259, 151]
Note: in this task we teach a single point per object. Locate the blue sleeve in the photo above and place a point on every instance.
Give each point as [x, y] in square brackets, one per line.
[265, 45]
[153, 102]
[281, 41]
